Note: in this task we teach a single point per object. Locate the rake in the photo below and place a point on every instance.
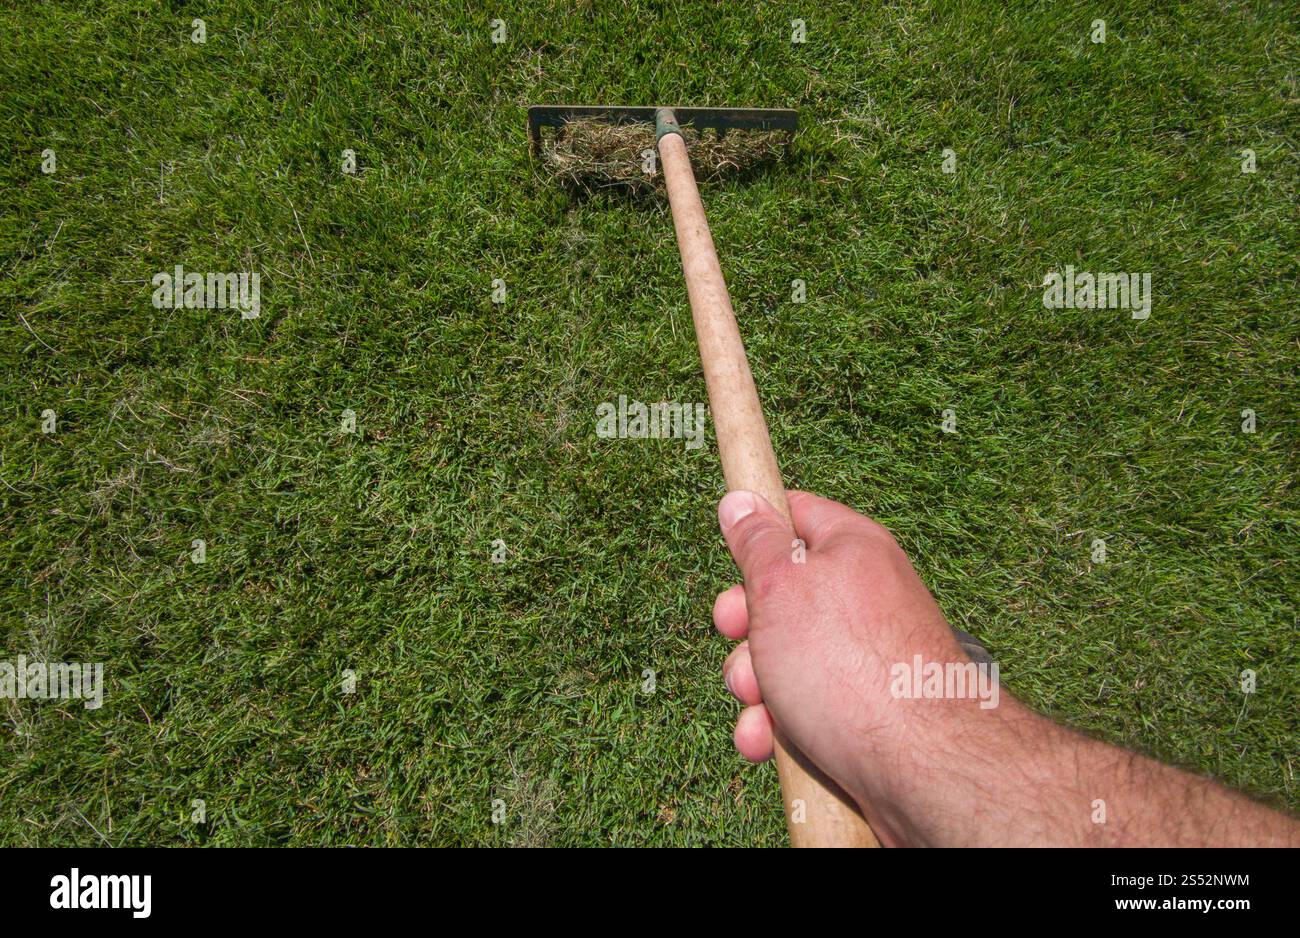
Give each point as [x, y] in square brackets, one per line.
[818, 812]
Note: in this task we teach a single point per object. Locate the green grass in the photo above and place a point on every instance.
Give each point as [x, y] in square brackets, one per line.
[521, 681]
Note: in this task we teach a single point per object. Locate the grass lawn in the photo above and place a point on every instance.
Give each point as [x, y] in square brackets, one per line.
[330, 552]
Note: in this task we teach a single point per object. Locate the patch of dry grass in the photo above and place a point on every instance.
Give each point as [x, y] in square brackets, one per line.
[591, 155]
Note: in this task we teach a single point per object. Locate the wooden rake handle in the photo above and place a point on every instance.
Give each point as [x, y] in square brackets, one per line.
[818, 813]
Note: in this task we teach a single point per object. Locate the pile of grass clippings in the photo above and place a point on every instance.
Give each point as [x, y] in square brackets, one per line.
[590, 155]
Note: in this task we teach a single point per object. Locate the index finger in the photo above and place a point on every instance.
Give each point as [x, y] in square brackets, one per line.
[818, 519]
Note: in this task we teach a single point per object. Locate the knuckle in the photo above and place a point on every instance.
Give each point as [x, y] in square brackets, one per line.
[872, 547]
[877, 531]
[776, 575]
[747, 533]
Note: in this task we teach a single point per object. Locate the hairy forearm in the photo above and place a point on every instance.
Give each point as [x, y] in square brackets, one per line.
[1113, 797]
[1009, 777]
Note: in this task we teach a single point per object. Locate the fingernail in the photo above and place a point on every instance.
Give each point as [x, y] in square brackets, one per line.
[733, 507]
[726, 679]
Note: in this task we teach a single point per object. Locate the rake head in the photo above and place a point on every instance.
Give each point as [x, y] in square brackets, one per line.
[720, 119]
[597, 147]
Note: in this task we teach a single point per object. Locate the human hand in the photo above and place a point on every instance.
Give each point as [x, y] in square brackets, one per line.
[822, 636]
[819, 635]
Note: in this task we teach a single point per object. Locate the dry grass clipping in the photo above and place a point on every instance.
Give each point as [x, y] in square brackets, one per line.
[591, 155]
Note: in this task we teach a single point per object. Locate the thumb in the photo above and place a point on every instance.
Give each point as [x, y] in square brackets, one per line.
[757, 535]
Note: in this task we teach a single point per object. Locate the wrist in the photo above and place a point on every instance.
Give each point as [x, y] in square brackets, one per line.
[952, 770]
